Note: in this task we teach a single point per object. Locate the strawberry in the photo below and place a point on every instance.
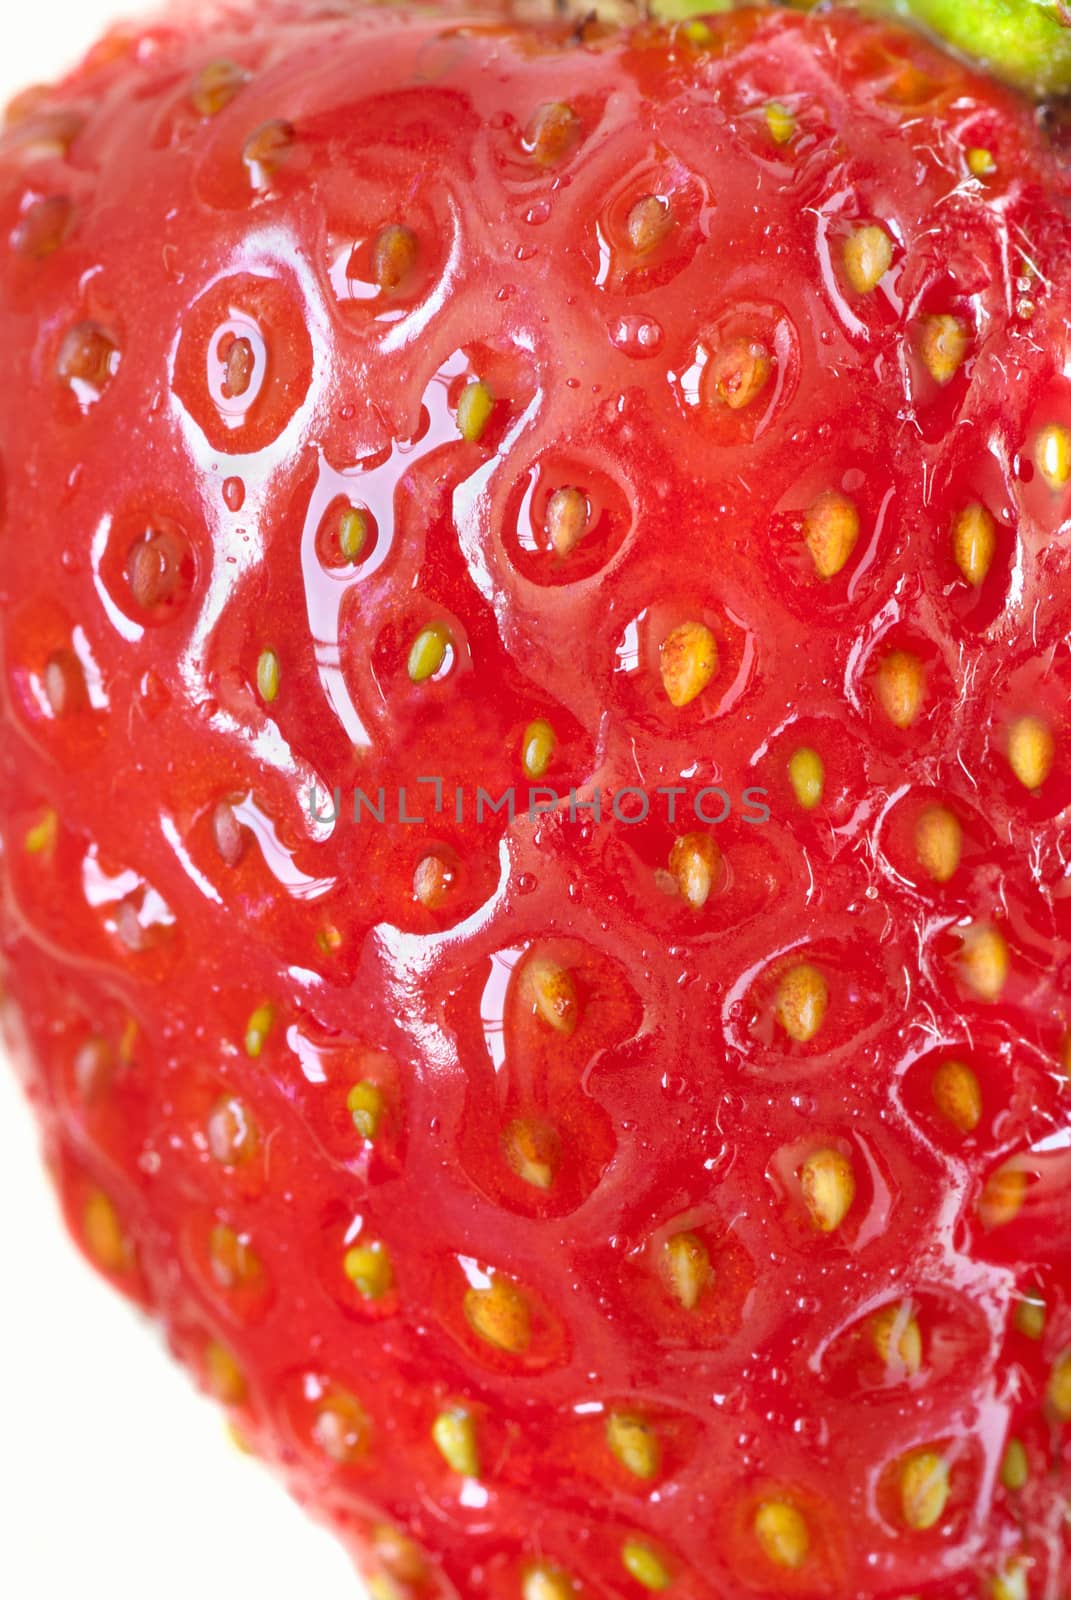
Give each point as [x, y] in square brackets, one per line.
[534, 779]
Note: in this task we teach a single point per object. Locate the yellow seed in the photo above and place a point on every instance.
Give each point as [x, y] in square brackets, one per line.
[648, 223]
[831, 532]
[1002, 1197]
[736, 374]
[401, 1556]
[474, 407]
[552, 133]
[900, 685]
[553, 993]
[454, 1433]
[1029, 1316]
[394, 255]
[328, 939]
[268, 675]
[782, 1534]
[974, 543]
[533, 1150]
[983, 961]
[433, 878]
[216, 86]
[685, 1268]
[567, 520]
[943, 347]
[369, 1269]
[1031, 751]
[634, 1443]
[1011, 1582]
[428, 652]
[352, 532]
[923, 1489]
[801, 1003]
[897, 1338]
[1015, 1467]
[224, 1375]
[868, 255]
[257, 1029]
[693, 862]
[1058, 1392]
[981, 162]
[807, 775]
[1052, 452]
[688, 660]
[547, 1583]
[365, 1105]
[958, 1095]
[41, 838]
[641, 1563]
[499, 1316]
[103, 1233]
[780, 122]
[537, 748]
[938, 843]
[828, 1185]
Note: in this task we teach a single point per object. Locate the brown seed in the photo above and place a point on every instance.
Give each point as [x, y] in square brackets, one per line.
[43, 227]
[93, 1069]
[64, 684]
[215, 86]
[533, 1150]
[693, 862]
[103, 1233]
[831, 532]
[958, 1095]
[553, 992]
[974, 543]
[868, 255]
[239, 366]
[155, 569]
[900, 686]
[223, 1375]
[266, 150]
[685, 1268]
[568, 513]
[552, 133]
[394, 255]
[432, 882]
[688, 660]
[648, 223]
[801, 1002]
[547, 1583]
[233, 1262]
[828, 1185]
[938, 843]
[499, 1316]
[88, 355]
[737, 373]
[1058, 1392]
[944, 347]
[897, 1338]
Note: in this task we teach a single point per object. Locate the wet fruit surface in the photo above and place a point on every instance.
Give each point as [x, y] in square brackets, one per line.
[534, 781]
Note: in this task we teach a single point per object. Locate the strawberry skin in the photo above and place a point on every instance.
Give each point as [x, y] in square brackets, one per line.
[677, 1200]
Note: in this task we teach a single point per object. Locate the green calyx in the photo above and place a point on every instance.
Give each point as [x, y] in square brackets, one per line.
[1026, 42]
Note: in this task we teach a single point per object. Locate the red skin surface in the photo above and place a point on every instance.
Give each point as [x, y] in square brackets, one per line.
[139, 935]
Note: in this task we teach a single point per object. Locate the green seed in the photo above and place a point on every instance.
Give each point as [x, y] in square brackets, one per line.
[428, 652]
[368, 1267]
[268, 676]
[1015, 1468]
[42, 836]
[257, 1030]
[474, 410]
[454, 1433]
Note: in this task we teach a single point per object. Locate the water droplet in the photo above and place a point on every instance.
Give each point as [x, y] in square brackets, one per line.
[636, 335]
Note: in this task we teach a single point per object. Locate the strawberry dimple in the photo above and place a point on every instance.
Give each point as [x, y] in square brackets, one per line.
[534, 765]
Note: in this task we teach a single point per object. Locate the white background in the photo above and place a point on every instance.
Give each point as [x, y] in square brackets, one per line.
[116, 1481]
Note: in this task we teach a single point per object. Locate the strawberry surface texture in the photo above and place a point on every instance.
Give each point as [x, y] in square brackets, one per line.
[666, 431]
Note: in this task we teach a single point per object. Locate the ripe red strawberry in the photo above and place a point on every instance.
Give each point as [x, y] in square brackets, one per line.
[676, 1200]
